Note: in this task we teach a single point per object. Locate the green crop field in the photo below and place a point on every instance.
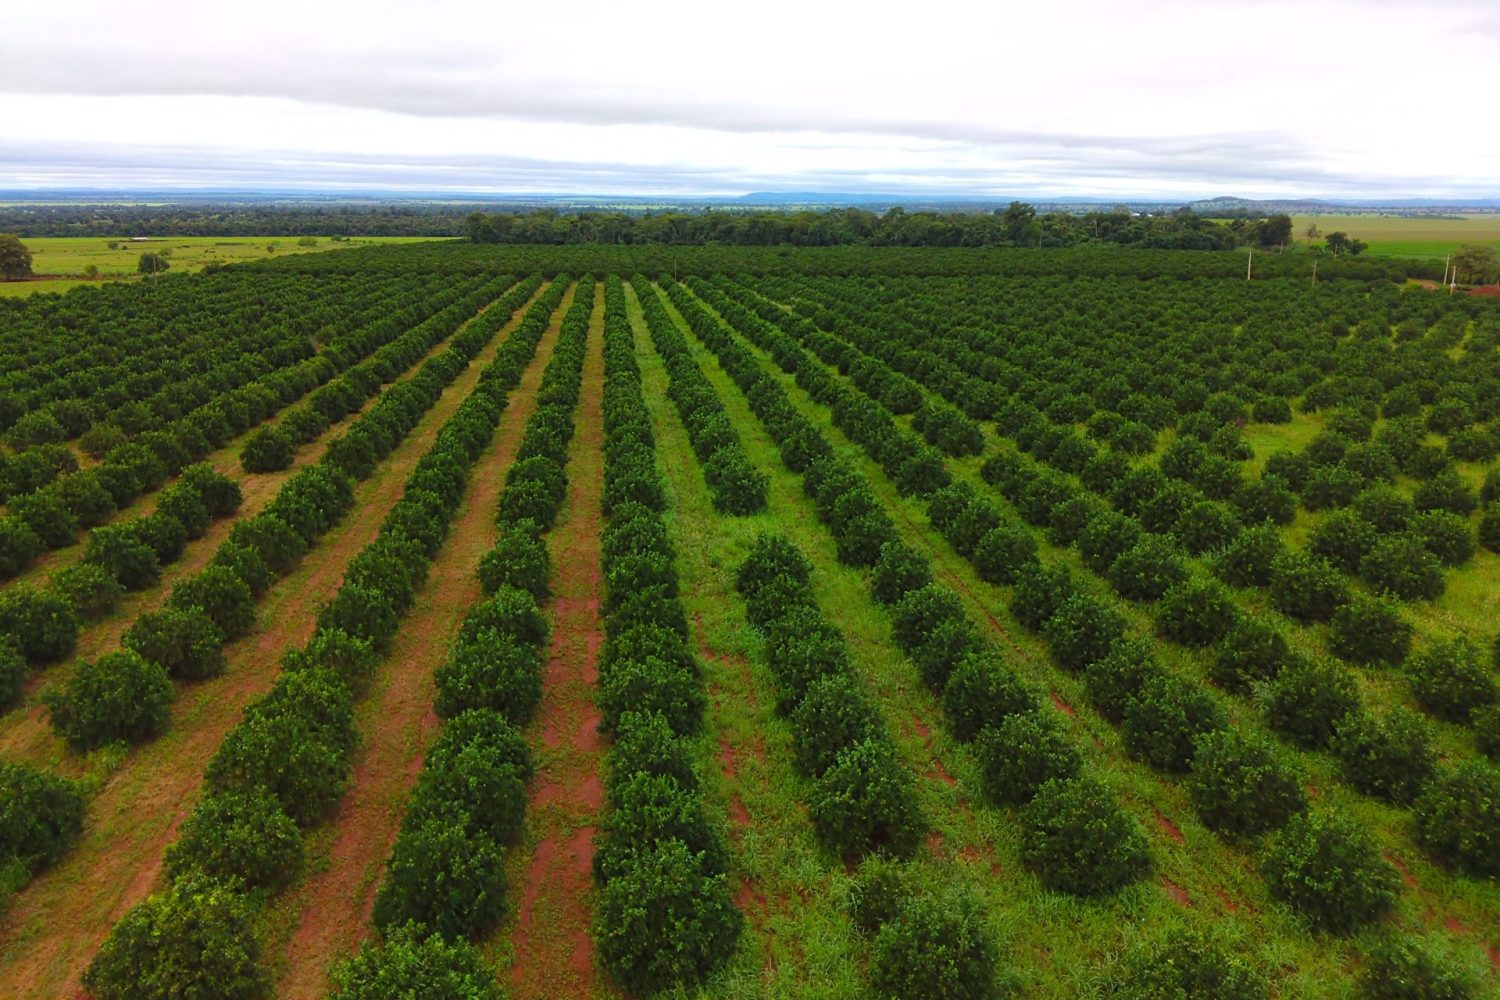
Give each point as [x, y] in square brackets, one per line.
[1408, 235]
[728, 622]
[62, 261]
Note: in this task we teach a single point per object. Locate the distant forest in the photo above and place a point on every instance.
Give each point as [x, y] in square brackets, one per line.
[1016, 225]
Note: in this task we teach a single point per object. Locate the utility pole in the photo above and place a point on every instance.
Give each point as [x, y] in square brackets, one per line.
[1315, 274]
[1249, 262]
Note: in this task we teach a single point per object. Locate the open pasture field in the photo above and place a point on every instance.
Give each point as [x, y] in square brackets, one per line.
[69, 257]
[1408, 235]
[606, 621]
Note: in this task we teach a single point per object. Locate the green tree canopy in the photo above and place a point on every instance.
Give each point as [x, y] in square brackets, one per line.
[15, 259]
[152, 263]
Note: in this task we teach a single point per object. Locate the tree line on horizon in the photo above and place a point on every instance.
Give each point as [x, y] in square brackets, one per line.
[1018, 224]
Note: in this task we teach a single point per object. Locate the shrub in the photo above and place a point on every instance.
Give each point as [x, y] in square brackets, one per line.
[1082, 630]
[1185, 966]
[43, 622]
[445, 876]
[182, 504]
[221, 595]
[1147, 570]
[1370, 631]
[89, 588]
[194, 941]
[218, 493]
[412, 962]
[1022, 753]
[1446, 491]
[1246, 562]
[866, 801]
[119, 696]
[46, 515]
[352, 660]
[664, 921]
[164, 535]
[1401, 565]
[269, 449]
[1343, 538]
[771, 557]
[493, 671]
[1384, 508]
[122, 553]
[1205, 526]
[1450, 681]
[19, 545]
[1446, 536]
[181, 640]
[40, 815]
[1107, 534]
[1113, 680]
[1409, 969]
[1039, 593]
[1458, 817]
[1197, 613]
[1078, 840]
[934, 948]
[917, 616]
[478, 783]
[1304, 588]
[1253, 652]
[1486, 723]
[13, 672]
[292, 756]
[983, 691]
[246, 564]
[1164, 717]
[899, 570]
[646, 744]
[1307, 700]
[1265, 499]
[1239, 785]
[271, 538]
[1390, 757]
[651, 809]
[834, 713]
[1329, 869]
[673, 688]
[519, 560]
[1003, 552]
[240, 836]
[1329, 487]
[876, 894]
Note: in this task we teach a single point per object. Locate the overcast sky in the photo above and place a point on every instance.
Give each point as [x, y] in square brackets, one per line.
[1339, 98]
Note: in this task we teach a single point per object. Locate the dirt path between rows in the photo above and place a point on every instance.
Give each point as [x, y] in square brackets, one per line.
[227, 461]
[554, 898]
[330, 911]
[54, 926]
[24, 732]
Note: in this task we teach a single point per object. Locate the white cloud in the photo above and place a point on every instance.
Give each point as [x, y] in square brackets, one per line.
[1170, 97]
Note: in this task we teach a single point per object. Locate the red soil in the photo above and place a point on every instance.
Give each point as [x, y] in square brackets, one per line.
[1062, 705]
[53, 927]
[1168, 827]
[553, 951]
[24, 732]
[331, 909]
[1177, 893]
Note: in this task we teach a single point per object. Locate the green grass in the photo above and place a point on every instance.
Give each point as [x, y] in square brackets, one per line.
[1407, 236]
[1062, 946]
[65, 259]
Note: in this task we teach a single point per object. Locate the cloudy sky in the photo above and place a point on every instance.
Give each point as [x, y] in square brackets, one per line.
[1338, 98]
